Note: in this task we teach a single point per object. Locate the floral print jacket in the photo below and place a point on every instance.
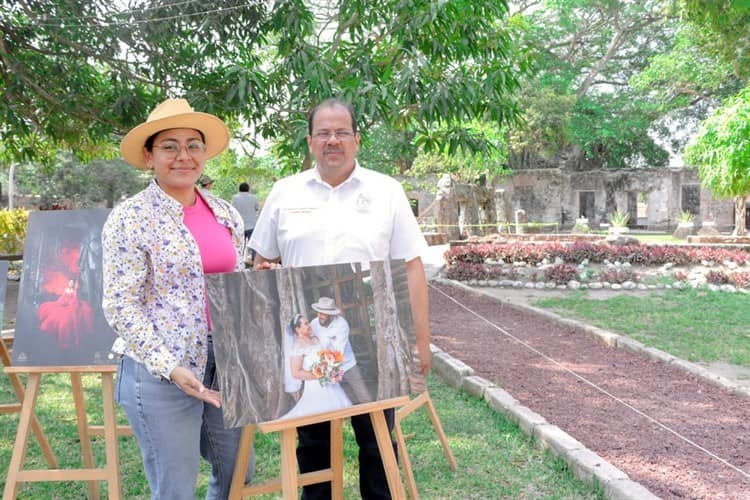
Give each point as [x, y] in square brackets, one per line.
[154, 289]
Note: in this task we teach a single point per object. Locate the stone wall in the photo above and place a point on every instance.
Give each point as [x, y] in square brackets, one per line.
[555, 195]
[463, 210]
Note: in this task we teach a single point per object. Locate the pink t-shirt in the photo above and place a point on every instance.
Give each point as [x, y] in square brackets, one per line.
[214, 241]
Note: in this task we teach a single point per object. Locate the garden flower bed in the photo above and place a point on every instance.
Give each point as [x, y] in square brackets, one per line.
[597, 265]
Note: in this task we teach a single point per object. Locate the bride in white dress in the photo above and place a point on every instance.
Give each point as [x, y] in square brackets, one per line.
[316, 398]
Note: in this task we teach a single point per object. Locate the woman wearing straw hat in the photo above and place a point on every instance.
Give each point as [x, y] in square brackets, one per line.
[157, 246]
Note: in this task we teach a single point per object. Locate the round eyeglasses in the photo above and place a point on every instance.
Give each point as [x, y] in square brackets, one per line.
[339, 135]
[172, 149]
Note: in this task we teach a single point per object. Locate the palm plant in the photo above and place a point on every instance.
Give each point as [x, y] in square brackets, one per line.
[619, 219]
[686, 217]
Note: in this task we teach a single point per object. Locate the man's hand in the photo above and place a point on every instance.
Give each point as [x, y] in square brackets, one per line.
[425, 359]
[260, 263]
[190, 385]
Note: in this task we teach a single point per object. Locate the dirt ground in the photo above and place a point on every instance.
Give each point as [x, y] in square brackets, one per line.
[677, 435]
[527, 297]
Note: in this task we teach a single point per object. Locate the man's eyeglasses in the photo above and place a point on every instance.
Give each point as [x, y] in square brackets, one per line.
[339, 135]
[172, 149]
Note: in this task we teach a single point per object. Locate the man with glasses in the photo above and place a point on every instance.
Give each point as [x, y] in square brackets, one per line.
[339, 212]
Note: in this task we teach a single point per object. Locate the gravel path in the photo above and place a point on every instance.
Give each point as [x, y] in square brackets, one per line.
[677, 435]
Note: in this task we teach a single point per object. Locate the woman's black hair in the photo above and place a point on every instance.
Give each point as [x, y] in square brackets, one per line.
[149, 144]
[296, 322]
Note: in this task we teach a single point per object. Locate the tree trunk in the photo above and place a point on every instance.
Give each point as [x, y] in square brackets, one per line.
[739, 216]
[392, 342]
[242, 310]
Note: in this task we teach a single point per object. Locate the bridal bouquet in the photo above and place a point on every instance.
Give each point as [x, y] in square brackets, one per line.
[327, 366]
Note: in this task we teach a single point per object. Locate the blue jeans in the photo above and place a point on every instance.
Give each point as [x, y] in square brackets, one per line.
[174, 430]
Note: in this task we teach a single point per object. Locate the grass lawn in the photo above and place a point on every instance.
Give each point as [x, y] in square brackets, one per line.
[656, 238]
[495, 459]
[696, 325]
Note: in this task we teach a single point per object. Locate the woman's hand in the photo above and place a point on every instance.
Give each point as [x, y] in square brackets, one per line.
[190, 385]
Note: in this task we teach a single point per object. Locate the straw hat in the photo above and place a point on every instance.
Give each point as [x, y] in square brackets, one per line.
[326, 305]
[174, 113]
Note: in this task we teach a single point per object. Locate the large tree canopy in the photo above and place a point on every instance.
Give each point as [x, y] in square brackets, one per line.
[721, 150]
[77, 73]
[73, 73]
[579, 103]
[724, 26]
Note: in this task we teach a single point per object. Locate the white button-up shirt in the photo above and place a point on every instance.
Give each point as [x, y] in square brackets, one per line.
[306, 222]
[336, 336]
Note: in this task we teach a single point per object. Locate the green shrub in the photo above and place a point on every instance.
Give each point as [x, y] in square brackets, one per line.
[619, 219]
[686, 217]
[13, 230]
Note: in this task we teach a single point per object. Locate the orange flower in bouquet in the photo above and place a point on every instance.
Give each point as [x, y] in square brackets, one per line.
[327, 366]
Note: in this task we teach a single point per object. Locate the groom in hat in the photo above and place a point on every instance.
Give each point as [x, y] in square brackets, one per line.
[332, 331]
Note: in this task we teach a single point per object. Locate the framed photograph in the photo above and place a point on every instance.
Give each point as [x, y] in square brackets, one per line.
[59, 319]
[310, 340]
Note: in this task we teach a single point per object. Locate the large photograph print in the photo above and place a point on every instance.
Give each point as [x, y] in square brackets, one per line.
[59, 319]
[303, 341]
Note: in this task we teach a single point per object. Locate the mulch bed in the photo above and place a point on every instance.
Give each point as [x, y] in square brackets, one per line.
[616, 426]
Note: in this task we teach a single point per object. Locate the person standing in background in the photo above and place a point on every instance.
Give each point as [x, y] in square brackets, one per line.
[206, 182]
[247, 205]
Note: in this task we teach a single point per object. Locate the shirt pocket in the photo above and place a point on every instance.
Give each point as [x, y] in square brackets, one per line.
[300, 223]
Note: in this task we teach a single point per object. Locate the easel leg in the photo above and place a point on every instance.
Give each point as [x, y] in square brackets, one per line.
[387, 455]
[439, 430]
[411, 484]
[111, 444]
[289, 464]
[337, 459]
[22, 436]
[242, 462]
[83, 431]
[15, 381]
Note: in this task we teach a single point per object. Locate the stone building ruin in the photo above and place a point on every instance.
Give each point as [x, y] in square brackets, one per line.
[654, 198]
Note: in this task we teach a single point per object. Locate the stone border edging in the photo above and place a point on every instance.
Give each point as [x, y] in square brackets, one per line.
[585, 464]
[623, 342]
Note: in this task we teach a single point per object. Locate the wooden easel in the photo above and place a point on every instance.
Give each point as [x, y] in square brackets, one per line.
[290, 480]
[401, 413]
[111, 470]
[15, 381]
